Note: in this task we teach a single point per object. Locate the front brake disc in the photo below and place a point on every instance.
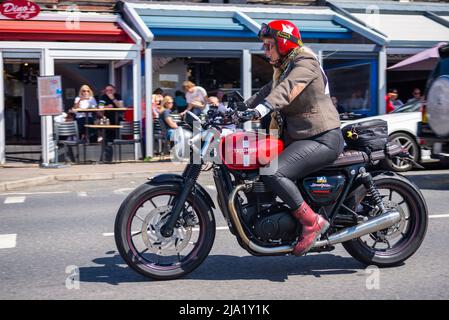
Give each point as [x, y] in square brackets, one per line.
[155, 241]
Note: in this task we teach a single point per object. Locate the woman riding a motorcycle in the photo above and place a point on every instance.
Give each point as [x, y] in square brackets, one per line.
[302, 110]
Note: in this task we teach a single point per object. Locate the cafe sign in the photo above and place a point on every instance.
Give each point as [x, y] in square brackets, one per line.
[19, 9]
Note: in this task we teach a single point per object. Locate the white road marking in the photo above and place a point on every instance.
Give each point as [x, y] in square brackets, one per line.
[111, 234]
[218, 228]
[82, 194]
[33, 193]
[9, 200]
[108, 234]
[436, 216]
[8, 241]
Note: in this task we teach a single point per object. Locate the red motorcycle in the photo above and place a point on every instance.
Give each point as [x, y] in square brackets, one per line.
[166, 227]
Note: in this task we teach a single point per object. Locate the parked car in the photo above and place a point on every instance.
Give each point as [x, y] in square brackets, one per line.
[433, 130]
[402, 129]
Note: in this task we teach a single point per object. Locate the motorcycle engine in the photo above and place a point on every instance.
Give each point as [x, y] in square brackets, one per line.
[270, 221]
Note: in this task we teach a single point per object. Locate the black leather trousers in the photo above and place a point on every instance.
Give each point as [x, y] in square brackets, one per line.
[301, 158]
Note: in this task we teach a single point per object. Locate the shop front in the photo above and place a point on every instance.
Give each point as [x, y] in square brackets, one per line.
[96, 49]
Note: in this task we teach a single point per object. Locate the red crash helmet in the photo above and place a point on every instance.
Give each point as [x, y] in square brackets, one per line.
[285, 33]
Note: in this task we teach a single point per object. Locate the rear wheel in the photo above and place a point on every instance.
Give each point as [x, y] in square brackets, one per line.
[139, 239]
[392, 246]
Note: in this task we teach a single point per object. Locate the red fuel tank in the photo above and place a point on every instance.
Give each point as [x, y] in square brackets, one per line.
[249, 150]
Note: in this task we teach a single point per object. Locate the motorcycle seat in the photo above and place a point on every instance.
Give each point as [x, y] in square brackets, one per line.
[349, 157]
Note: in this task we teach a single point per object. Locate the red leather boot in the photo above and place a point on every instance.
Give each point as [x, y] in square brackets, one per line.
[313, 225]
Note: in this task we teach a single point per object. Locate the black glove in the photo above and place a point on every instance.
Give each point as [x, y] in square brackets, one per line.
[248, 115]
[241, 106]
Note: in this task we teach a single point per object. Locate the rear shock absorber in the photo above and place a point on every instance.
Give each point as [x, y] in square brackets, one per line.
[368, 182]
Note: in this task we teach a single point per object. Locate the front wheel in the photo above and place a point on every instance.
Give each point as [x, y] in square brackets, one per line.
[392, 246]
[141, 244]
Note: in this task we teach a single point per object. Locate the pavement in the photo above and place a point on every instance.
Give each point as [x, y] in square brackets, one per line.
[15, 176]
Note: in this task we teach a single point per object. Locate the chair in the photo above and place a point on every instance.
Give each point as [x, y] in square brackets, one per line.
[128, 129]
[159, 134]
[176, 117]
[70, 130]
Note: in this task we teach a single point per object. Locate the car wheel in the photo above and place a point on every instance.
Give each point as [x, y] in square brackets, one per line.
[408, 143]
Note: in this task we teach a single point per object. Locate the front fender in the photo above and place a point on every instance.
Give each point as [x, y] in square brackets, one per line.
[177, 178]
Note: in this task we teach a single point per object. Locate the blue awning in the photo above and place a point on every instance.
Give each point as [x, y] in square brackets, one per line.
[190, 23]
[318, 29]
[194, 22]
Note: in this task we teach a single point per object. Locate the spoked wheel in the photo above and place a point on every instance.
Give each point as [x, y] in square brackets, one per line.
[390, 247]
[143, 247]
[409, 144]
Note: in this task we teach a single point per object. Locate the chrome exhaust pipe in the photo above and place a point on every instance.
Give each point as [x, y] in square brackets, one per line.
[381, 222]
[384, 221]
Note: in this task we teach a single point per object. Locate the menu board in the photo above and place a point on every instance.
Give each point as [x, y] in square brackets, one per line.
[49, 95]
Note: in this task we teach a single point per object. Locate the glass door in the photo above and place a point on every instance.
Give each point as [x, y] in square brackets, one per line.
[21, 110]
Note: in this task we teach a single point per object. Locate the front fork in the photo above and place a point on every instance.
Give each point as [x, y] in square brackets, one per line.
[190, 176]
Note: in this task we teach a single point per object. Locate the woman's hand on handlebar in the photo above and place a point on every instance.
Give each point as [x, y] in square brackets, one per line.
[248, 115]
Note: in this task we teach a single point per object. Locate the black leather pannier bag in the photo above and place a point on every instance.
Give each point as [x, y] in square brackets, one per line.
[367, 136]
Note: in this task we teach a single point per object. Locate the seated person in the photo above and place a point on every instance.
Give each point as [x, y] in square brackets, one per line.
[180, 101]
[196, 98]
[111, 99]
[165, 118]
[85, 100]
[214, 102]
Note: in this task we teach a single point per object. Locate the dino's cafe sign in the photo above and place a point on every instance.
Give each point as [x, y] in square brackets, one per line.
[19, 9]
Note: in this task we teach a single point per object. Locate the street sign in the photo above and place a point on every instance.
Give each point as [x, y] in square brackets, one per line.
[49, 95]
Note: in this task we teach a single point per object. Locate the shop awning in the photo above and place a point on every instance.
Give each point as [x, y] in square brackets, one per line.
[315, 28]
[192, 24]
[412, 25]
[62, 31]
[408, 29]
[227, 22]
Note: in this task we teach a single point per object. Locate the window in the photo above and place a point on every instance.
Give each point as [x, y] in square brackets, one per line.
[353, 84]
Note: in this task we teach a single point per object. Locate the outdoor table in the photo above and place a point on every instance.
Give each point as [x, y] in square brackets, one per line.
[102, 109]
[103, 128]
